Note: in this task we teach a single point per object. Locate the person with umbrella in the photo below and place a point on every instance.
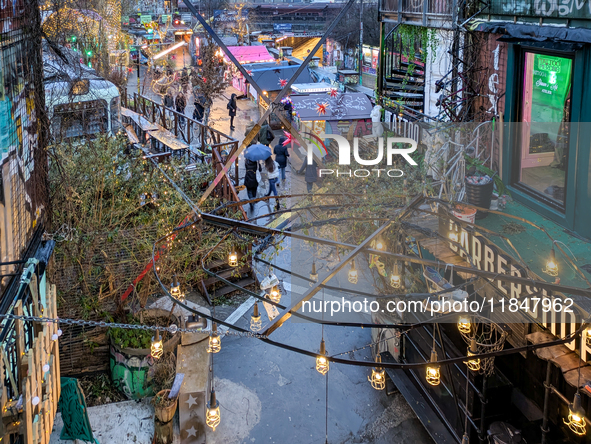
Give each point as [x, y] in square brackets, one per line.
[256, 153]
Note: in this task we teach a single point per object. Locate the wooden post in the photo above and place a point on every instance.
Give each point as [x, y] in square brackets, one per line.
[163, 433]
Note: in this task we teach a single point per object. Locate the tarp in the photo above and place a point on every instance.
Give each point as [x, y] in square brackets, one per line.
[533, 33]
[249, 54]
[269, 79]
[346, 106]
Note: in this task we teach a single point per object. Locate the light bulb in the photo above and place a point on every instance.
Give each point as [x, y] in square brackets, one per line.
[59, 332]
[473, 364]
[395, 279]
[353, 275]
[433, 374]
[233, 259]
[322, 363]
[464, 325]
[156, 349]
[175, 290]
[313, 275]
[378, 376]
[35, 400]
[215, 342]
[552, 265]
[576, 416]
[45, 368]
[275, 295]
[380, 245]
[212, 418]
[255, 319]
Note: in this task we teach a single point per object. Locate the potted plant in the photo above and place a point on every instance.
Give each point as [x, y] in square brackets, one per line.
[161, 378]
[479, 192]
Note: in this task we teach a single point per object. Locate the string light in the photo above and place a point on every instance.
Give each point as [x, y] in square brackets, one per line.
[464, 325]
[156, 349]
[275, 295]
[322, 364]
[552, 265]
[175, 290]
[378, 375]
[395, 279]
[473, 364]
[213, 418]
[313, 274]
[233, 258]
[255, 319]
[433, 374]
[353, 275]
[576, 416]
[215, 342]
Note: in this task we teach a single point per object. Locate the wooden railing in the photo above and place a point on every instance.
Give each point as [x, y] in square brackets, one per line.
[196, 134]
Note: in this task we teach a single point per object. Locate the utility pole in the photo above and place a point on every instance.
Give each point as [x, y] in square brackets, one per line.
[361, 43]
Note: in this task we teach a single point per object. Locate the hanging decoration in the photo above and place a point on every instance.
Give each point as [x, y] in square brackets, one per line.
[282, 82]
[215, 342]
[473, 364]
[464, 324]
[321, 108]
[255, 320]
[213, 418]
[433, 375]
[378, 375]
[333, 93]
[322, 364]
[156, 349]
[353, 274]
[576, 416]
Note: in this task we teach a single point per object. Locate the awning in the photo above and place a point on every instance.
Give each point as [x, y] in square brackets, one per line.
[249, 54]
[349, 106]
[131, 135]
[533, 33]
[168, 139]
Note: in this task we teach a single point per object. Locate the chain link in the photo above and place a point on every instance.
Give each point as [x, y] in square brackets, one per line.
[171, 329]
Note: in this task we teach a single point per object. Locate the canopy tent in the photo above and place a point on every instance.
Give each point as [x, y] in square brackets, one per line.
[346, 106]
[269, 79]
[249, 54]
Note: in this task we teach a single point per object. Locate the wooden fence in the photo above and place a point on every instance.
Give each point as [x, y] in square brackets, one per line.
[36, 379]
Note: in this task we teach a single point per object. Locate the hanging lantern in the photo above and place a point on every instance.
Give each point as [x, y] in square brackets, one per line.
[552, 265]
[275, 294]
[157, 348]
[379, 245]
[473, 364]
[175, 290]
[212, 418]
[576, 416]
[464, 325]
[233, 258]
[313, 275]
[215, 342]
[395, 279]
[255, 319]
[378, 376]
[433, 375]
[353, 275]
[321, 360]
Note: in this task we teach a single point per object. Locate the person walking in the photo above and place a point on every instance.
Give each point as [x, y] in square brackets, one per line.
[232, 107]
[199, 110]
[181, 104]
[281, 155]
[168, 100]
[266, 136]
[250, 180]
[273, 173]
[311, 174]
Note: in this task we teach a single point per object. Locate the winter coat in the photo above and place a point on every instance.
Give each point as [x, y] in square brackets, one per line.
[231, 108]
[180, 104]
[281, 154]
[199, 111]
[263, 134]
[250, 179]
[275, 173]
[251, 165]
[168, 101]
[311, 171]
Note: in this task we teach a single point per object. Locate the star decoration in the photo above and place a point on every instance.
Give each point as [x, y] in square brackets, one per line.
[192, 432]
[282, 82]
[333, 92]
[321, 108]
[289, 139]
[249, 72]
[191, 401]
[278, 61]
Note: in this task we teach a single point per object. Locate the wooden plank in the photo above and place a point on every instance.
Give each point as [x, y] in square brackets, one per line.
[20, 341]
[27, 429]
